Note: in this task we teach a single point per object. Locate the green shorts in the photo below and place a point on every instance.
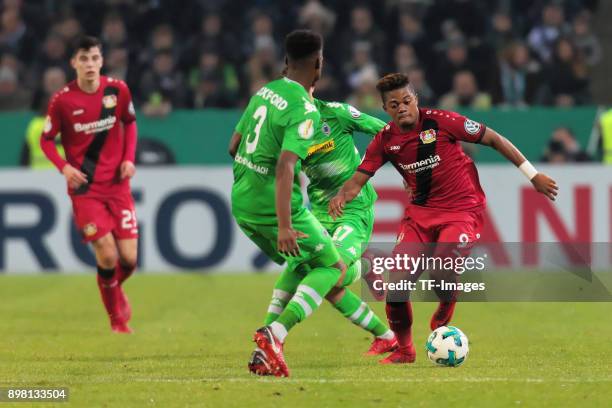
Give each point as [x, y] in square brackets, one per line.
[316, 250]
[351, 233]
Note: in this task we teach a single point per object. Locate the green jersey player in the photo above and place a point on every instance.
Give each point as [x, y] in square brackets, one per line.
[331, 160]
[275, 131]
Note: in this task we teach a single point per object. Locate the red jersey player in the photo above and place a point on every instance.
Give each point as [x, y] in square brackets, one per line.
[447, 200]
[95, 116]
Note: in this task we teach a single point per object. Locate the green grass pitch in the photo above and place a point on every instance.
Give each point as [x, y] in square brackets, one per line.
[193, 338]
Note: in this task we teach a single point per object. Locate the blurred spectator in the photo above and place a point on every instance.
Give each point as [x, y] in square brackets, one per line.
[260, 35]
[363, 31]
[518, 75]
[360, 64]
[411, 32]
[52, 54]
[566, 77]
[116, 62]
[455, 59]
[586, 42]
[15, 35]
[542, 37]
[162, 88]
[405, 58]
[316, 17]
[263, 65]
[53, 79]
[502, 31]
[114, 33]
[211, 36]
[423, 90]
[12, 96]
[162, 40]
[32, 155]
[214, 83]
[68, 28]
[328, 88]
[365, 96]
[563, 147]
[465, 94]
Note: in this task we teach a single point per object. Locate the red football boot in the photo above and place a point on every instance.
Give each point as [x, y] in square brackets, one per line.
[382, 346]
[443, 314]
[258, 364]
[111, 298]
[403, 355]
[273, 350]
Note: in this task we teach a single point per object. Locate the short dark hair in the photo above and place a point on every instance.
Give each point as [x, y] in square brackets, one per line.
[300, 44]
[85, 43]
[391, 82]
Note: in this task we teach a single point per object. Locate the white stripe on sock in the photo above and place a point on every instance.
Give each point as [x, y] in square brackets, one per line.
[279, 331]
[310, 292]
[281, 294]
[388, 335]
[364, 323]
[303, 303]
[358, 313]
[275, 309]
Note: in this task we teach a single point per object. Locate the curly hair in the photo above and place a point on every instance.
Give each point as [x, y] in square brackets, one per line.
[391, 82]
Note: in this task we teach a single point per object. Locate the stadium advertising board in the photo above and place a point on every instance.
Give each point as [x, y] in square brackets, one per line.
[185, 217]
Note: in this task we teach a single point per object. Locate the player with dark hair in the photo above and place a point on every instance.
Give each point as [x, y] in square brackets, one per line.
[447, 200]
[273, 135]
[95, 116]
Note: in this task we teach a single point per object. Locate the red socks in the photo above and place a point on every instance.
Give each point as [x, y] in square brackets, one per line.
[399, 315]
[124, 272]
[443, 314]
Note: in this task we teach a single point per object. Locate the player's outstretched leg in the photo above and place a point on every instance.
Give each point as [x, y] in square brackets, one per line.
[359, 313]
[308, 297]
[399, 315]
[443, 314]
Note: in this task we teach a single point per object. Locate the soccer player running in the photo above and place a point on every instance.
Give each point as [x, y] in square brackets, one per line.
[275, 132]
[447, 200]
[95, 116]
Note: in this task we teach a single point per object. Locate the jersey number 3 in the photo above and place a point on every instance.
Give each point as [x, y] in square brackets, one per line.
[259, 116]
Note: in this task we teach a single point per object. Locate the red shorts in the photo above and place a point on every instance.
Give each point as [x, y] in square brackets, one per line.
[97, 216]
[421, 225]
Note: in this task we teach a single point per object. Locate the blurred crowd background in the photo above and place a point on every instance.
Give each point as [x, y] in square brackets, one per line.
[214, 53]
[196, 54]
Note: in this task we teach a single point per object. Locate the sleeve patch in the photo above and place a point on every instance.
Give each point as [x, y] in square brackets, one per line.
[48, 124]
[471, 127]
[306, 129]
[354, 112]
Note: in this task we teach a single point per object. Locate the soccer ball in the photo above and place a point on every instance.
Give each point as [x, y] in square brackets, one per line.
[447, 346]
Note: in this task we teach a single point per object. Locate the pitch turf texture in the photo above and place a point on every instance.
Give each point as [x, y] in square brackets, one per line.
[192, 343]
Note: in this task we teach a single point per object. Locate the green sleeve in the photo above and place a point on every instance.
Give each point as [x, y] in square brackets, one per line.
[300, 130]
[359, 121]
[244, 119]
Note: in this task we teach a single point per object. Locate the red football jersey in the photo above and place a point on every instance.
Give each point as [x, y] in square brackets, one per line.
[431, 160]
[91, 131]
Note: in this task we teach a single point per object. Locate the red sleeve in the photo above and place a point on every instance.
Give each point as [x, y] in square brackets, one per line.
[128, 113]
[464, 129]
[130, 133]
[375, 156]
[51, 129]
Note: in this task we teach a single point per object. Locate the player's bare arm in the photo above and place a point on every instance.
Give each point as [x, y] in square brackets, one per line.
[541, 182]
[234, 143]
[349, 190]
[287, 236]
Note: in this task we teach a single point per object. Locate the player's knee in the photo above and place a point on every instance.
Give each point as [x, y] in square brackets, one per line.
[106, 256]
[129, 259]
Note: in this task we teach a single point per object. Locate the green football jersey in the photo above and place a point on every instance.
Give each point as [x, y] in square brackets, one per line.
[333, 157]
[280, 116]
